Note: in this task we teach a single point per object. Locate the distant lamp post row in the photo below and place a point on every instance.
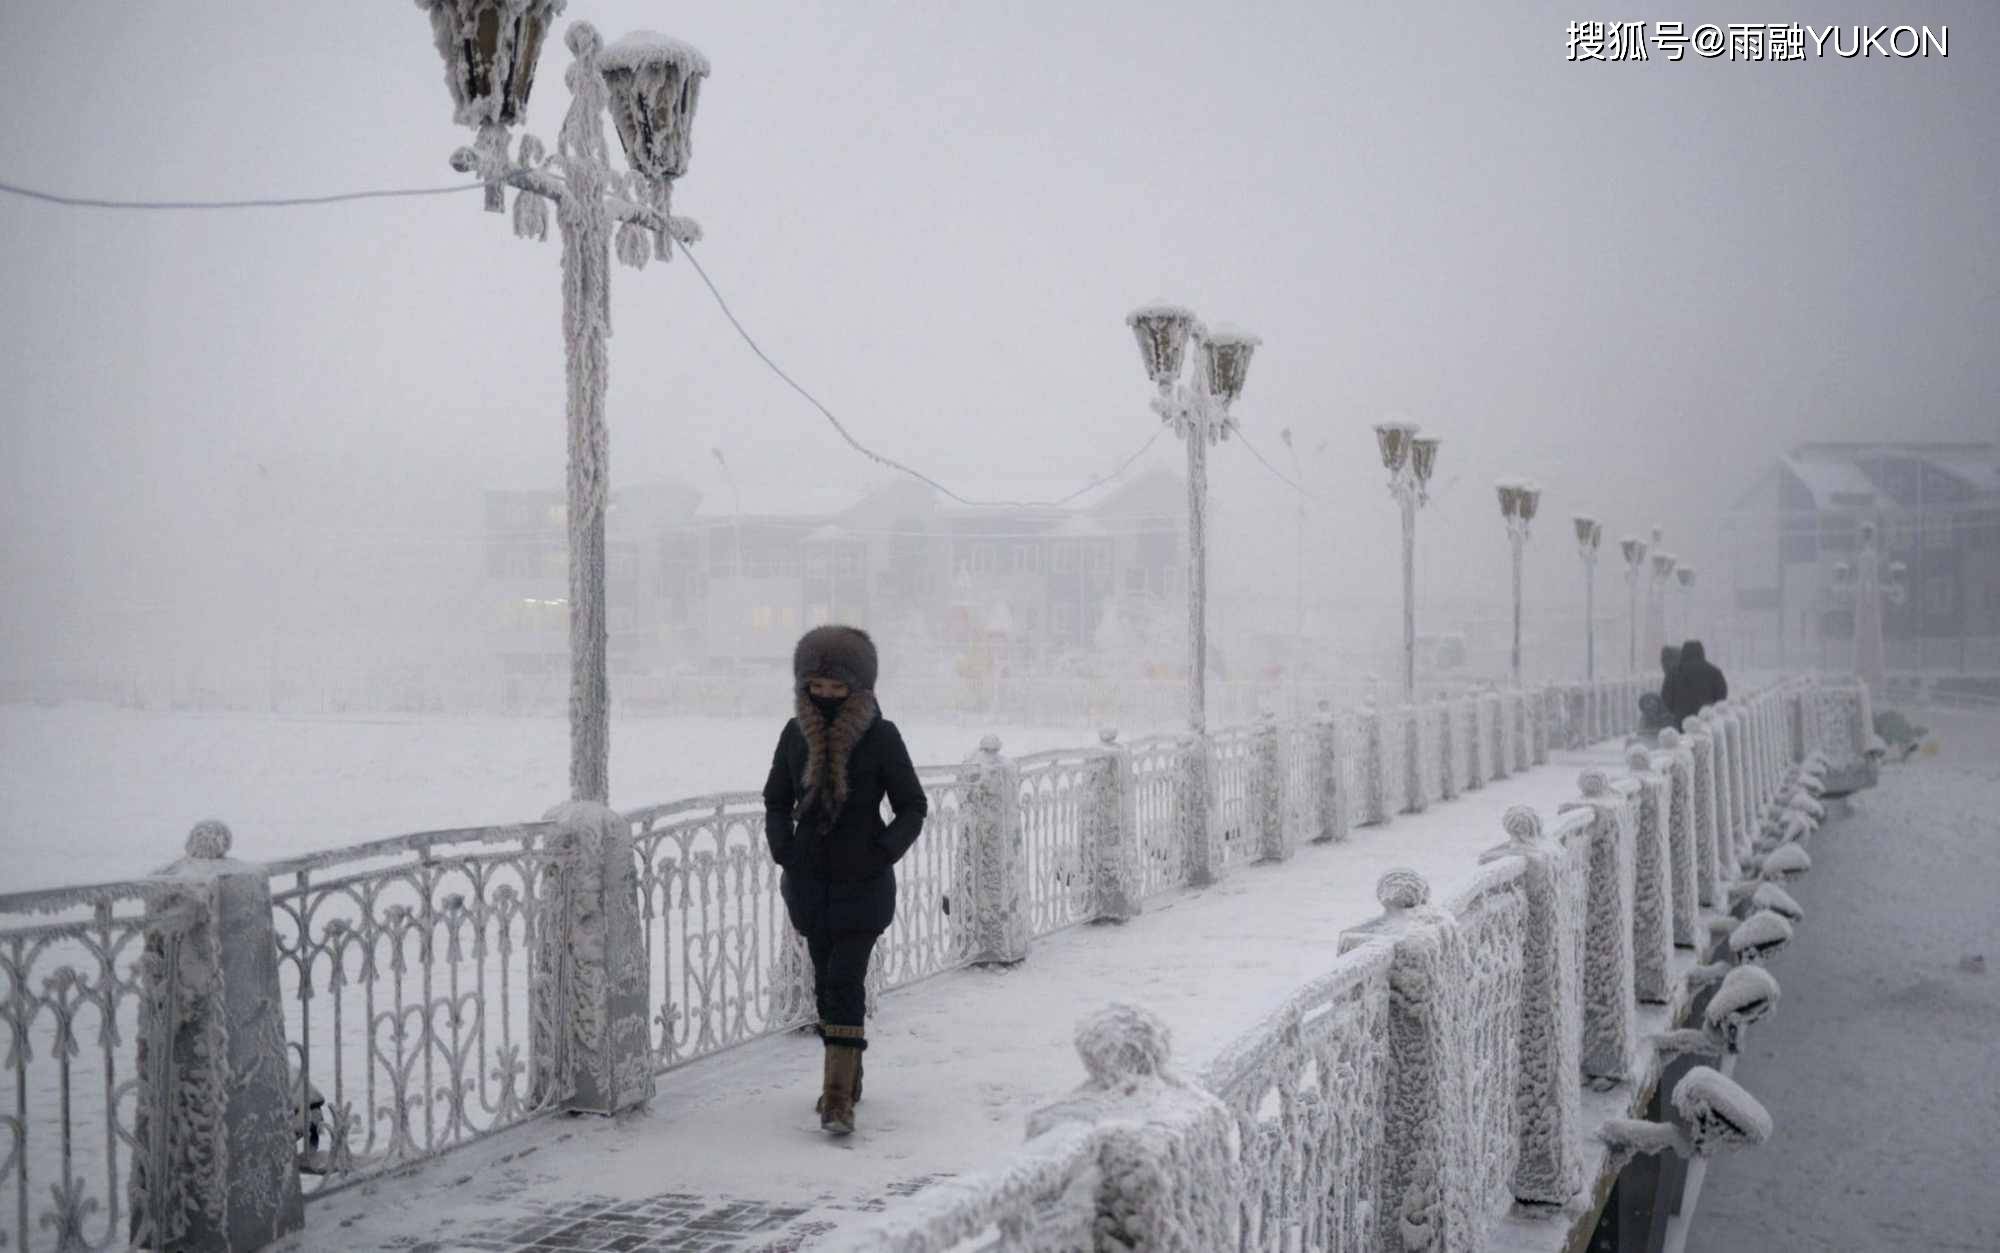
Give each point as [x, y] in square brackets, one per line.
[1589, 538]
[1684, 576]
[1411, 461]
[1663, 573]
[1634, 550]
[1198, 411]
[1518, 504]
[650, 85]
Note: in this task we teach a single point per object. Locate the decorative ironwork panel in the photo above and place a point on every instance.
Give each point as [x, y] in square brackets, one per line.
[1306, 1090]
[1354, 767]
[426, 994]
[932, 932]
[1235, 766]
[1055, 797]
[79, 968]
[715, 925]
[1156, 765]
[1465, 737]
[1492, 929]
[1430, 766]
[1395, 760]
[1298, 751]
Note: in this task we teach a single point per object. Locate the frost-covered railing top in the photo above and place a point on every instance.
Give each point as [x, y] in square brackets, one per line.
[420, 976]
[83, 1168]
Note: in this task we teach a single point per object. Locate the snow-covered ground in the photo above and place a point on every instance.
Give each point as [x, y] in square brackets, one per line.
[90, 793]
[1881, 1066]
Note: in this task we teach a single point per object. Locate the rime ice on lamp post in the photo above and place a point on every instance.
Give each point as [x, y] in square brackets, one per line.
[1518, 502]
[1634, 550]
[1684, 577]
[1410, 462]
[1589, 537]
[1198, 410]
[651, 85]
[1663, 572]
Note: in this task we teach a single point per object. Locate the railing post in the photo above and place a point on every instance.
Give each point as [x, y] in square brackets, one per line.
[1001, 922]
[1428, 1183]
[1165, 1154]
[1707, 835]
[1683, 864]
[1374, 768]
[1415, 801]
[1547, 1096]
[607, 1008]
[1267, 792]
[226, 1123]
[1476, 742]
[1652, 884]
[1542, 705]
[1113, 833]
[1608, 996]
[1199, 812]
[1326, 760]
[1496, 746]
[1447, 749]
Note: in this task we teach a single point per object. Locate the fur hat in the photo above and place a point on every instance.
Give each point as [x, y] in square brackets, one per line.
[835, 652]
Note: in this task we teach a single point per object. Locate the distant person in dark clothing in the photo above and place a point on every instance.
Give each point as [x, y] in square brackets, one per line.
[1694, 684]
[1653, 715]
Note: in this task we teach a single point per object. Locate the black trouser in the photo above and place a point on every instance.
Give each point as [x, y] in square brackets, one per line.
[840, 972]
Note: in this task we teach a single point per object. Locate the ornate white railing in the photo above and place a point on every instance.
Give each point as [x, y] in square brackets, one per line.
[1157, 773]
[1432, 1078]
[423, 981]
[83, 1167]
[1056, 793]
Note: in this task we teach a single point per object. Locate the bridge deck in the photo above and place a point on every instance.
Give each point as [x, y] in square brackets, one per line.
[730, 1156]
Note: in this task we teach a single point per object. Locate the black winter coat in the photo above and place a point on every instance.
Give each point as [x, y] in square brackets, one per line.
[839, 876]
[1695, 683]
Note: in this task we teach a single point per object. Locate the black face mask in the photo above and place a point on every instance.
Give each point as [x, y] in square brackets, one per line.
[828, 706]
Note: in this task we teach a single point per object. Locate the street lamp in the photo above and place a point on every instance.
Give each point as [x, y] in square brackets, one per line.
[1298, 572]
[1410, 462]
[1518, 502]
[1868, 590]
[1589, 536]
[1656, 616]
[650, 84]
[1684, 575]
[1634, 550]
[1198, 410]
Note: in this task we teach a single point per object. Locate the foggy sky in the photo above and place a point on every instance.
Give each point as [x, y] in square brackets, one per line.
[1630, 282]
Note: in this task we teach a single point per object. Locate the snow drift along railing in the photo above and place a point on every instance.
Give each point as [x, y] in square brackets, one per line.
[1409, 1097]
[82, 1168]
[423, 979]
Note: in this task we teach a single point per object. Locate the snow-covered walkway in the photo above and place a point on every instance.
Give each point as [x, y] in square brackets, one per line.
[730, 1156]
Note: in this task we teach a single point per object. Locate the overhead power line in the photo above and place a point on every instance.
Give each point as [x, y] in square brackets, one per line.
[275, 202]
[260, 202]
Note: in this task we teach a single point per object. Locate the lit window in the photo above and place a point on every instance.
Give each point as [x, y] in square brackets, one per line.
[790, 617]
[760, 618]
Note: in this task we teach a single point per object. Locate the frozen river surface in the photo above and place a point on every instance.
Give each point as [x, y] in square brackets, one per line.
[90, 793]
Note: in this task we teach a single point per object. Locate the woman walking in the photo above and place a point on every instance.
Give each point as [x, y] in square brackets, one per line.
[836, 761]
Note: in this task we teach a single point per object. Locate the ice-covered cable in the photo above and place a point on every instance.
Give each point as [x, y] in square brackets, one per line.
[262, 202]
[870, 453]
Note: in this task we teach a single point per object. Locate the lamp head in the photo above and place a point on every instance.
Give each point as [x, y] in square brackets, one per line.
[1162, 331]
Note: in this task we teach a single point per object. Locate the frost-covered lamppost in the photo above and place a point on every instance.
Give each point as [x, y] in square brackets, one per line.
[1589, 536]
[1518, 502]
[1298, 573]
[1411, 462]
[1634, 550]
[1868, 590]
[650, 84]
[1663, 564]
[1198, 410]
[1684, 578]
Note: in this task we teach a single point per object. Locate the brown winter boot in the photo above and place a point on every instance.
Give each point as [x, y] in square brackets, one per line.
[843, 1066]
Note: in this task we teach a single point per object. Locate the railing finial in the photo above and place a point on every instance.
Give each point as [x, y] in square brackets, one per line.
[1401, 889]
[209, 840]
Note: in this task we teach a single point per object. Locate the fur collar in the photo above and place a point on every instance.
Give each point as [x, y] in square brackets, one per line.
[828, 745]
